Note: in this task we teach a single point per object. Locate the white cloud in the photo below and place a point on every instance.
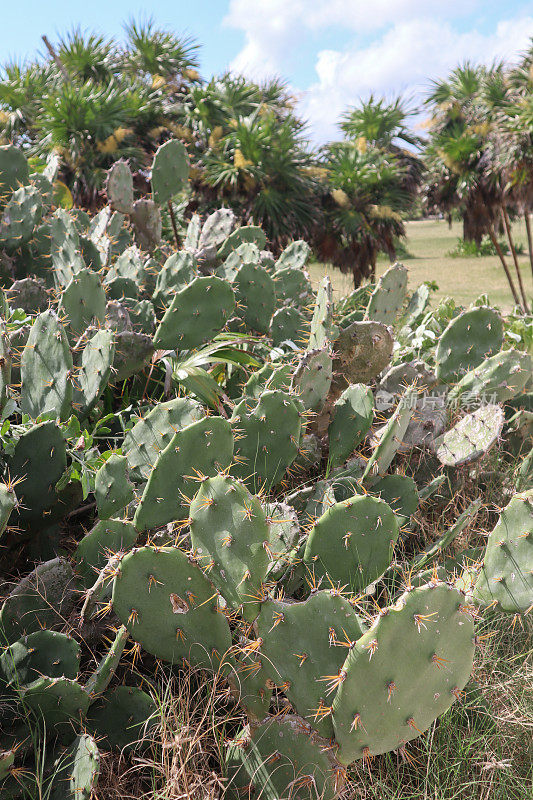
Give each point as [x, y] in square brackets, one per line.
[275, 29]
[403, 59]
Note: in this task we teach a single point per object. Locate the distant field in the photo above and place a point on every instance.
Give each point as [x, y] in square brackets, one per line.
[428, 243]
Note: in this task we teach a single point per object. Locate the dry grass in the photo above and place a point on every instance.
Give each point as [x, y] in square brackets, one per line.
[464, 279]
[182, 756]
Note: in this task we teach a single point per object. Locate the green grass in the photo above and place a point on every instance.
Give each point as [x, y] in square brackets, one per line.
[429, 242]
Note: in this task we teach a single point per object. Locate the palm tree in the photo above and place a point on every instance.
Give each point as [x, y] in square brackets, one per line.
[363, 193]
[261, 167]
[464, 170]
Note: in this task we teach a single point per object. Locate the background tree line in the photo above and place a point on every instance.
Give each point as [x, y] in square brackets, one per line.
[90, 101]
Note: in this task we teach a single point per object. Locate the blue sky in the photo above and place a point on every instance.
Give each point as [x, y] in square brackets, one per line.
[331, 51]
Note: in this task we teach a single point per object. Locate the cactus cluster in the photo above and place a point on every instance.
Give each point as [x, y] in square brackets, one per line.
[196, 448]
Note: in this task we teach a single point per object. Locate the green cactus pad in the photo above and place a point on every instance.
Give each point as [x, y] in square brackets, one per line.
[46, 369]
[229, 534]
[202, 448]
[497, 379]
[130, 266]
[293, 288]
[196, 314]
[152, 433]
[321, 324]
[255, 296]
[294, 256]
[215, 231]
[282, 760]
[270, 376]
[170, 607]
[14, 171]
[40, 653]
[177, 272]
[248, 682]
[170, 171]
[77, 770]
[403, 673]
[288, 325]
[269, 431]
[388, 298]
[20, 217]
[506, 577]
[103, 540]
[119, 187]
[28, 294]
[142, 315]
[244, 254]
[391, 435]
[112, 490]
[471, 438]
[122, 718]
[8, 500]
[283, 533]
[249, 234]
[64, 248]
[93, 374]
[39, 461]
[99, 680]
[147, 224]
[312, 378]
[57, 701]
[302, 643]
[133, 352]
[399, 491]
[468, 340]
[352, 417]
[83, 302]
[353, 542]
[42, 599]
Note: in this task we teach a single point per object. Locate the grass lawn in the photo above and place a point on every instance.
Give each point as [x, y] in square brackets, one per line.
[428, 243]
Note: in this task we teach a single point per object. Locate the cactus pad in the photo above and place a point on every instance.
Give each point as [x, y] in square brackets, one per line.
[168, 606]
[301, 643]
[46, 369]
[196, 314]
[282, 760]
[468, 340]
[408, 668]
[269, 431]
[229, 534]
[202, 448]
[352, 417]
[471, 438]
[388, 298]
[506, 577]
[353, 542]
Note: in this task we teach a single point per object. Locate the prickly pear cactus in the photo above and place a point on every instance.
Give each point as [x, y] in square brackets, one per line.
[468, 340]
[405, 671]
[282, 760]
[352, 542]
[230, 537]
[471, 438]
[506, 577]
[170, 607]
[388, 298]
[46, 369]
[170, 171]
[318, 632]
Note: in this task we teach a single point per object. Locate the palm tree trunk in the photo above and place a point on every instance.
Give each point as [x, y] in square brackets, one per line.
[529, 238]
[505, 267]
[515, 258]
